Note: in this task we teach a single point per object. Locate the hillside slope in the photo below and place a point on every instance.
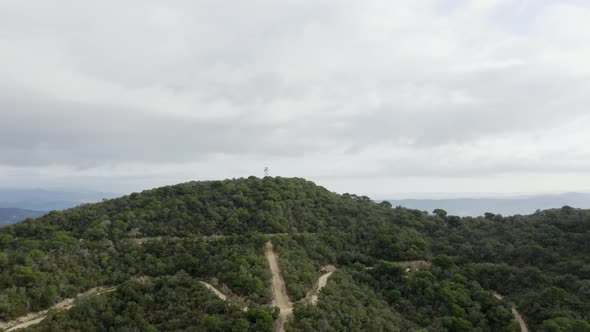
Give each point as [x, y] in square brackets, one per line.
[216, 232]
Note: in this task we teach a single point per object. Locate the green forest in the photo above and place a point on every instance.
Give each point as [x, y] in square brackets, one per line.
[157, 246]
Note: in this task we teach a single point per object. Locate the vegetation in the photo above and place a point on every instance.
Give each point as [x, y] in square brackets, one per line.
[172, 303]
[348, 304]
[215, 231]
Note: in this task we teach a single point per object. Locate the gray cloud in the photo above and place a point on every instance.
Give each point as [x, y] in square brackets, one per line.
[428, 89]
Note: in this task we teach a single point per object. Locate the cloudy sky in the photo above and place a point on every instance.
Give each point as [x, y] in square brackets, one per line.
[376, 97]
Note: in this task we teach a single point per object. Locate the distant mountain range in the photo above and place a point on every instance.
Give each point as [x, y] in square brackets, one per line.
[504, 205]
[47, 200]
[12, 215]
[20, 204]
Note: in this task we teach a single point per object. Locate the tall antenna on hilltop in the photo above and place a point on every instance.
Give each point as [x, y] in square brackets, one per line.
[266, 172]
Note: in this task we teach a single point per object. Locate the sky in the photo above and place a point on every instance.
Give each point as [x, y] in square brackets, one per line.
[375, 97]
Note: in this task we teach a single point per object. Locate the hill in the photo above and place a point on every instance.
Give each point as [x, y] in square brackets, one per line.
[505, 206]
[160, 253]
[13, 215]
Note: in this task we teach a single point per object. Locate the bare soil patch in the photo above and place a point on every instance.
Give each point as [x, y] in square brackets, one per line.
[279, 290]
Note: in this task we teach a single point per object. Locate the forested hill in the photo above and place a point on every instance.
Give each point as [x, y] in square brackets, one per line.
[154, 248]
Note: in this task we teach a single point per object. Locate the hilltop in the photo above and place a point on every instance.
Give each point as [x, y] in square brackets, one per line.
[161, 252]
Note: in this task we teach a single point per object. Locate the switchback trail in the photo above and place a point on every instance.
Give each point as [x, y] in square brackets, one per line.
[517, 317]
[312, 296]
[279, 290]
[36, 317]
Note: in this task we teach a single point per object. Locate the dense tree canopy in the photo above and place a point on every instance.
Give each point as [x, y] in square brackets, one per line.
[215, 231]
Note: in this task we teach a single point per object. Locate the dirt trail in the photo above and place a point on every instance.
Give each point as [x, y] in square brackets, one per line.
[520, 320]
[36, 317]
[279, 290]
[312, 296]
[517, 317]
[415, 265]
[224, 297]
[142, 240]
[214, 290]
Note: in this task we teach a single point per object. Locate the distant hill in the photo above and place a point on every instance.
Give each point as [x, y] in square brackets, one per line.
[47, 200]
[505, 206]
[12, 215]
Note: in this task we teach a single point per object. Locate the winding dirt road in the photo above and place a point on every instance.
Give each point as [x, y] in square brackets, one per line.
[279, 290]
[517, 317]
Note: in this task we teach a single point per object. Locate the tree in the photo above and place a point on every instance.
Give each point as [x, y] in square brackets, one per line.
[454, 221]
[489, 215]
[386, 204]
[441, 213]
[455, 324]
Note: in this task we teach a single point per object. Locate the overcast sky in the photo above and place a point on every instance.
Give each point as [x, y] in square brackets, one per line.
[374, 97]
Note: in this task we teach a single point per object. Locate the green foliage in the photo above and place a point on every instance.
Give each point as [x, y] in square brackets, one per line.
[172, 303]
[454, 324]
[540, 262]
[260, 319]
[440, 213]
[563, 324]
[301, 259]
[347, 304]
[421, 296]
[443, 261]
[386, 204]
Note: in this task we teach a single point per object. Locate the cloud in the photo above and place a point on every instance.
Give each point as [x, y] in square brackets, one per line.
[425, 89]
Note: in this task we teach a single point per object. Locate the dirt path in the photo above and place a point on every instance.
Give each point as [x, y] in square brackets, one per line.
[224, 297]
[279, 290]
[142, 240]
[312, 296]
[214, 290]
[520, 320]
[517, 317]
[36, 317]
[415, 265]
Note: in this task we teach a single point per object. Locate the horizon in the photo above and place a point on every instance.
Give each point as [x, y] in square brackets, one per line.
[459, 204]
[377, 197]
